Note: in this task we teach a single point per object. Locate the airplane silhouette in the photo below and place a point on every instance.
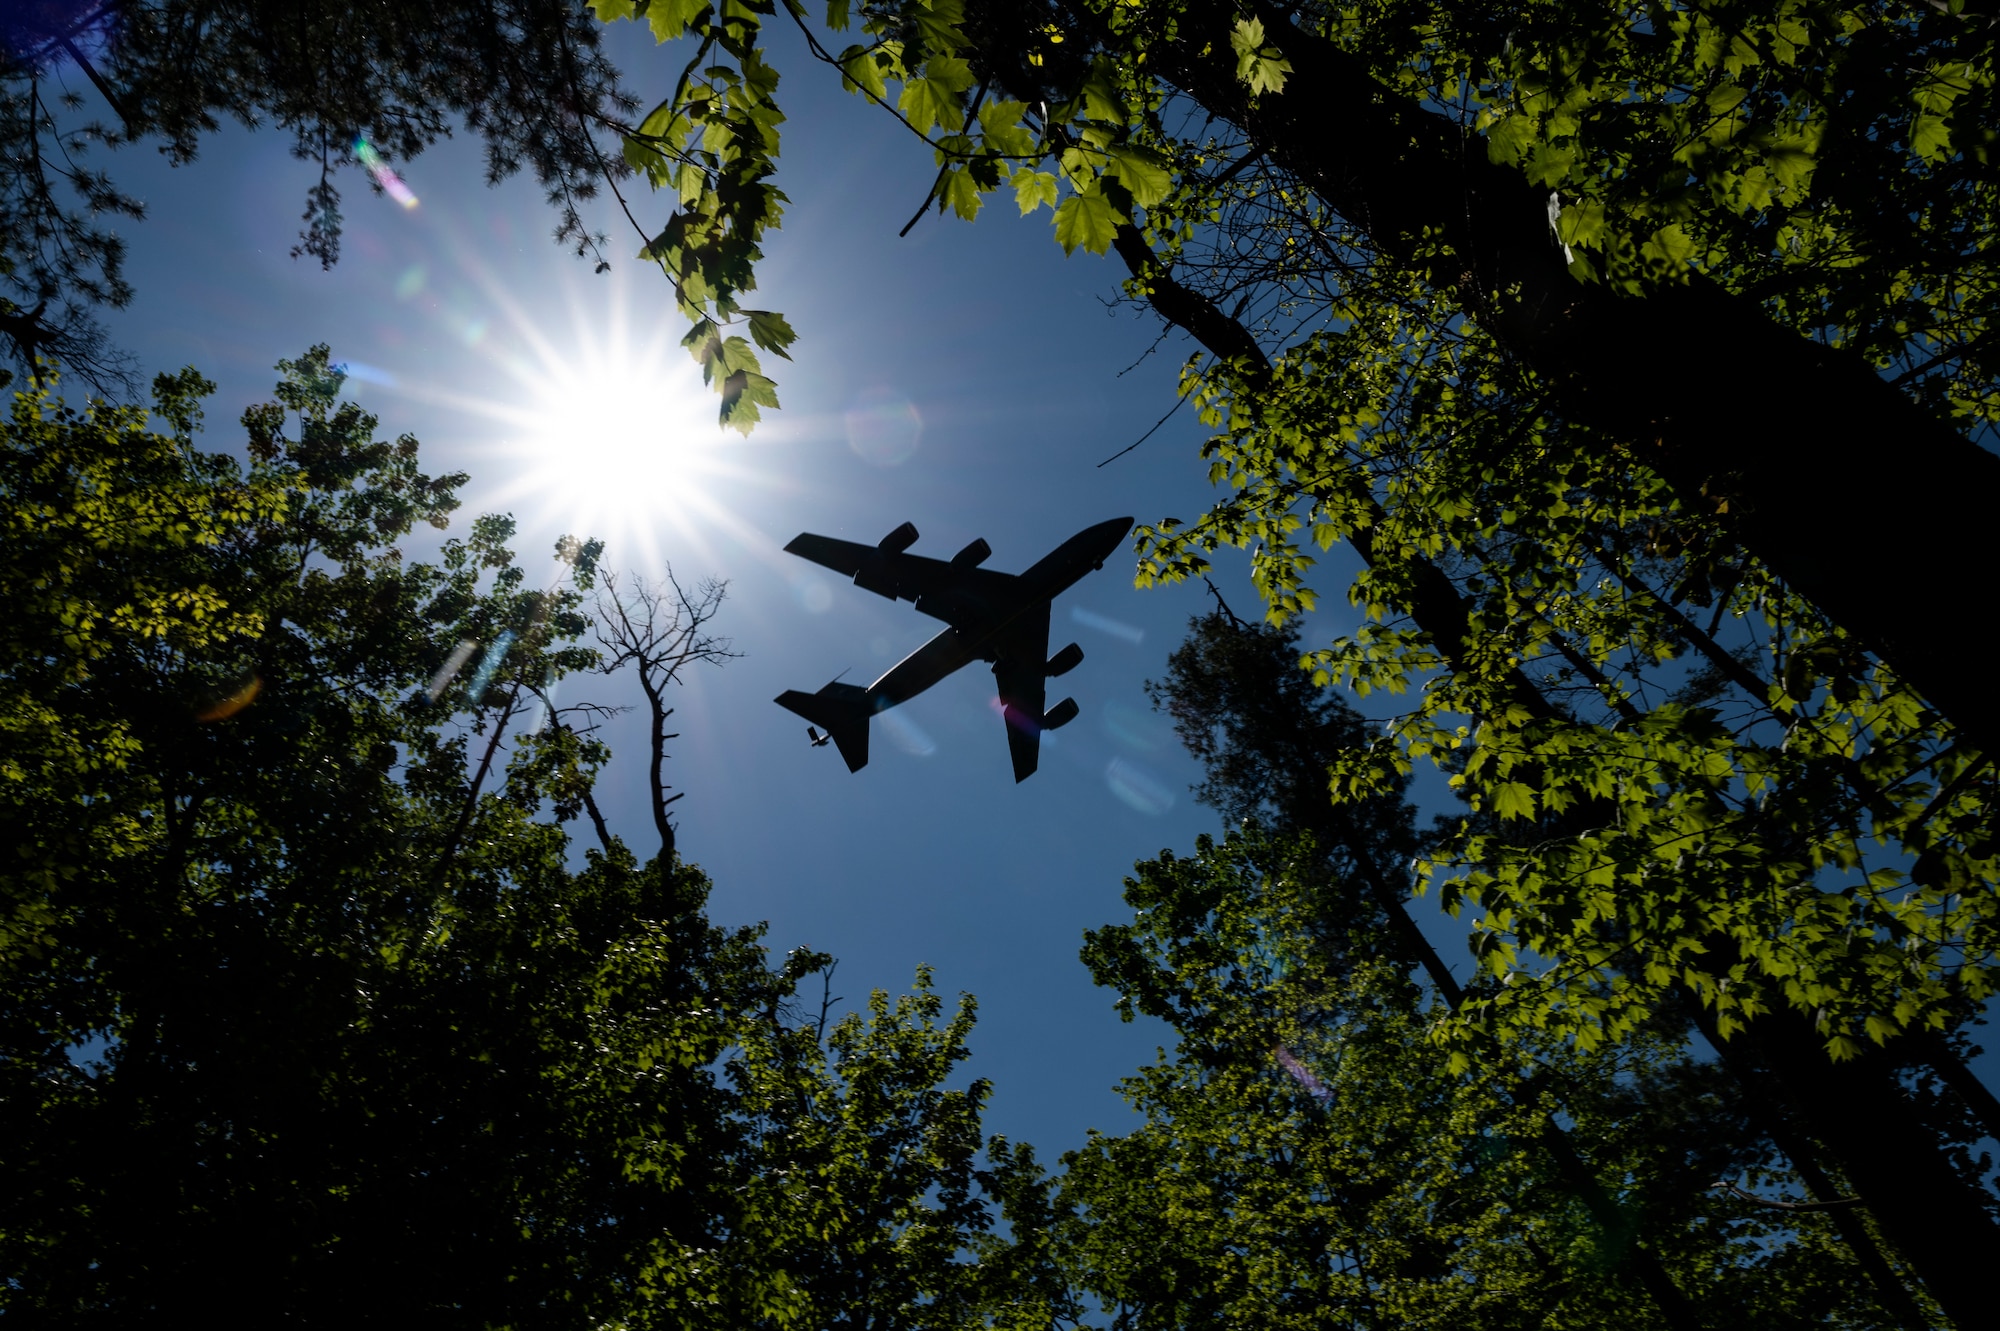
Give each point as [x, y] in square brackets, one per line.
[1001, 618]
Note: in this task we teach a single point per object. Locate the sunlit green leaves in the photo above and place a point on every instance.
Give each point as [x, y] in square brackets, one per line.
[728, 361]
[1033, 189]
[866, 69]
[1305, 1152]
[937, 98]
[1625, 840]
[1143, 172]
[1257, 63]
[379, 1021]
[1002, 131]
[1086, 220]
[668, 19]
[771, 332]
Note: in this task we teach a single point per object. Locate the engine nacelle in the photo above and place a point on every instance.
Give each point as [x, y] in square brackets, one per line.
[972, 556]
[1064, 661]
[1060, 715]
[899, 540]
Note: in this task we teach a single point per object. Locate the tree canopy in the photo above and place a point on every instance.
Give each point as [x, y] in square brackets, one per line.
[1307, 1005]
[1308, 1160]
[303, 1019]
[1642, 354]
[1577, 326]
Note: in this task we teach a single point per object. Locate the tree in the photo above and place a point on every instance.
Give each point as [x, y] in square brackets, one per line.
[642, 627]
[1308, 1159]
[1440, 401]
[1434, 401]
[1230, 688]
[305, 1020]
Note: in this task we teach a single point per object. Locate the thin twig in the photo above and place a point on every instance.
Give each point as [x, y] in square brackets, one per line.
[1833, 1204]
[1179, 402]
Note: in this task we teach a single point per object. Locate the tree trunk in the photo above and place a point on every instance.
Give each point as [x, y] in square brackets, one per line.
[1866, 1121]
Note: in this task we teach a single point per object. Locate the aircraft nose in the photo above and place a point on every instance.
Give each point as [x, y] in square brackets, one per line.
[1106, 536]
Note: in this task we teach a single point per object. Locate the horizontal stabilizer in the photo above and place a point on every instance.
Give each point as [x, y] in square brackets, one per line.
[843, 710]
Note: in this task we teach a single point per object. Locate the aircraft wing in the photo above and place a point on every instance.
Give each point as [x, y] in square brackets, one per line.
[943, 590]
[1021, 670]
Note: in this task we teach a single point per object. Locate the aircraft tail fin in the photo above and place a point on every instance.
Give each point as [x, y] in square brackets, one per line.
[843, 711]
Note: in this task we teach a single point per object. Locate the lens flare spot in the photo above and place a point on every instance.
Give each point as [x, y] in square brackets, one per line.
[224, 708]
[907, 735]
[392, 185]
[1133, 728]
[411, 281]
[814, 596]
[364, 373]
[883, 427]
[1136, 789]
[1104, 624]
[449, 670]
[1302, 1074]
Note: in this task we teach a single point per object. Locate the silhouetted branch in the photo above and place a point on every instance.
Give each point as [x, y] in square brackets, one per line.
[1742, 1194]
[662, 629]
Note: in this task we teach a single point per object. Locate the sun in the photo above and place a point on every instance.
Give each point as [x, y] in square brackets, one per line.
[604, 429]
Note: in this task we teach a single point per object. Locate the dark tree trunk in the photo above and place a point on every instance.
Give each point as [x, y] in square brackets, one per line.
[1867, 1123]
[1842, 486]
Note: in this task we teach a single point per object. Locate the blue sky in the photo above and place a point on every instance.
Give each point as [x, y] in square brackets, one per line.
[966, 378]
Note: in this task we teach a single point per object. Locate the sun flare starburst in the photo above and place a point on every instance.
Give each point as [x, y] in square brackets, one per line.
[605, 429]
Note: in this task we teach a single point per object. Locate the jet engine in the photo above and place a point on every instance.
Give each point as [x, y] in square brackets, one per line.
[900, 539]
[972, 556]
[1064, 661]
[1060, 715]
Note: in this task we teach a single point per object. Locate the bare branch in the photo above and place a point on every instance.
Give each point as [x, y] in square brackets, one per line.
[661, 628]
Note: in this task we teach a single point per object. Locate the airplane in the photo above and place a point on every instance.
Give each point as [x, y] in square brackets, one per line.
[1000, 618]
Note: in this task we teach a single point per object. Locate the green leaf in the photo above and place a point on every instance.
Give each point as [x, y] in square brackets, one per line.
[743, 393]
[938, 97]
[1258, 65]
[861, 68]
[1143, 172]
[1512, 799]
[940, 24]
[960, 192]
[1034, 188]
[671, 19]
[1930, 137]
[1101, 99]
[770, 331]
[1087, 220]
[1670, 245]
[1002, 131]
